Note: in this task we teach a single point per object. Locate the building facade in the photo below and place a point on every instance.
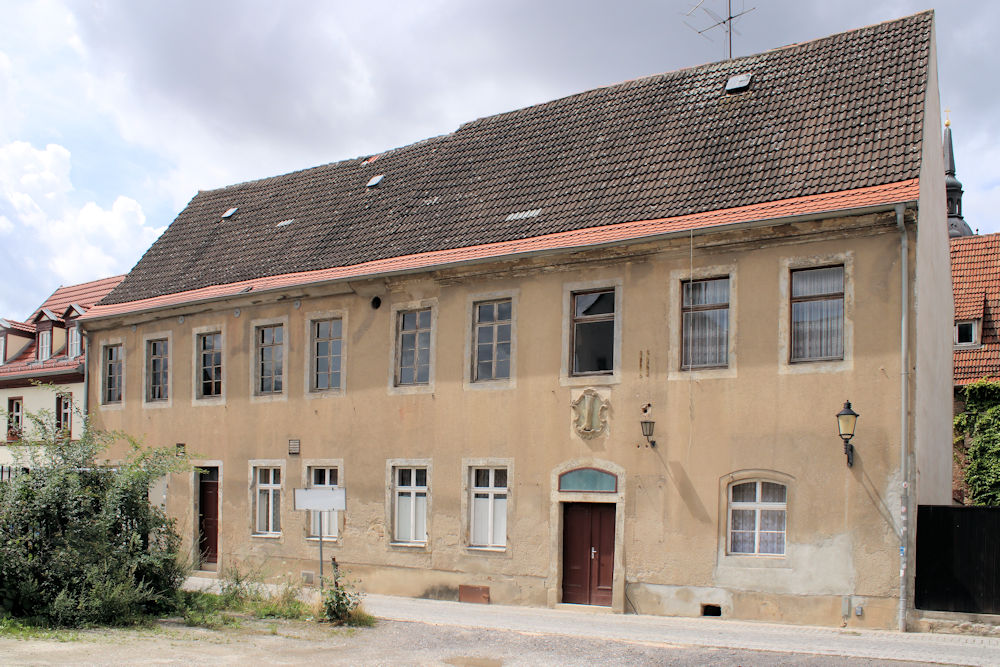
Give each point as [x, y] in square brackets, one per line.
[47, 349]
[467, 334]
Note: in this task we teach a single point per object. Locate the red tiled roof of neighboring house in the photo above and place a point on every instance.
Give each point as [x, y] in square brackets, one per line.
[975, 278]
[13, 325]
[829, 117]
[84, 295]
[893, 193]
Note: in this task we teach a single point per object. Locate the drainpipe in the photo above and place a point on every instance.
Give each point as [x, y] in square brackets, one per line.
[86, 373]
[904, 392]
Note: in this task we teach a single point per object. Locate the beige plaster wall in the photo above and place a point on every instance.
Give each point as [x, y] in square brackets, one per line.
[762, 417]
[43, 399]
[935, 314]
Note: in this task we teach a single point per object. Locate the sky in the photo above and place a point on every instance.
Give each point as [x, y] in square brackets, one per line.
[113, 114]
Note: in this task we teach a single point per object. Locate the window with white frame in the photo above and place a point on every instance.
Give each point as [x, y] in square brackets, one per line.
[111, 368]
[817, 314]
[209, 364]
[492, 340]
[3, 348]
[73, 344]
[326, 351]
[705, 323]
[157, 362]
[488, 507]
[270, 359]
[15, 418]
[44, 345]
[410, 507]
[64, 412]
[325, 523]
[593, 332]
[967, 333]
[413, 347]
[267, 500]
[757, 511]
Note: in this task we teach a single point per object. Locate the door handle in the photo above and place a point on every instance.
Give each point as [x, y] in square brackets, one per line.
[593, 553]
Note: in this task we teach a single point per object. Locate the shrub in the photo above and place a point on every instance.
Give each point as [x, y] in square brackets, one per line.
[80, 542]
[981, 424]
[340, 598]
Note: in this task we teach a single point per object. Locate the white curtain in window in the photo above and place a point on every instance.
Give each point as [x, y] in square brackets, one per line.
[818, 324]
[706, 330]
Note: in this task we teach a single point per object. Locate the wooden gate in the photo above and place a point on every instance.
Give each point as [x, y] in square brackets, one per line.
[958, 559]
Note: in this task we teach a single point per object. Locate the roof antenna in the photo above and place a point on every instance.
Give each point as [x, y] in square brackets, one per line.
[727, 22]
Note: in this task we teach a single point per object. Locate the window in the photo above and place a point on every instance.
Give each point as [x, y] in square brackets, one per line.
[73, 346]
[489, 508]
[326, 351]
[705, 324]
[44, 345]
[269, 359]
[492, 336]
[157, 362]
[410, 504]
[757, 518]
[593, 346]
[267, 501]
[3, 349]
[209, 364]
[413, 345]
[15, 418]
[112, 370]
[323, 478]
[967, 333]
[64, 412]
[818, 314]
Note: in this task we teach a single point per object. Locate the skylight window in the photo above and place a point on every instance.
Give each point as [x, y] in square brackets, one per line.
[285, 223]
[522, 215]
[375, 181]
[738, 83]
[229, 212]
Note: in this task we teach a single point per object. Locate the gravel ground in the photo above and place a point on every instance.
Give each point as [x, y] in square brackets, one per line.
[389, 643]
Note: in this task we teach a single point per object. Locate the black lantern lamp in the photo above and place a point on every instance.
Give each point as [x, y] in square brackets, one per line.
[647, 431]
[847, 419]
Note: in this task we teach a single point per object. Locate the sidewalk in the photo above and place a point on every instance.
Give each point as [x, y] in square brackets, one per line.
[704, 632]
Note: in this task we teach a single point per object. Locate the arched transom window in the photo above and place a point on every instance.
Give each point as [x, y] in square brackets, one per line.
[588, 479]
[757, 512]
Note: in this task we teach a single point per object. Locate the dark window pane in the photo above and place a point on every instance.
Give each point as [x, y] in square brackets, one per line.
[485, 312]
[594, 347]
[421, 475]
[504, 310]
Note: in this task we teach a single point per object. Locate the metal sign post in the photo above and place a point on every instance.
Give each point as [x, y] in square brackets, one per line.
[321, 500]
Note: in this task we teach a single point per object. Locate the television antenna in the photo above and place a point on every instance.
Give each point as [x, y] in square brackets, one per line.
[727, 22]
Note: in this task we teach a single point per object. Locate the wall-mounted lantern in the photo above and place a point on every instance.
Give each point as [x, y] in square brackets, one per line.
[847, 419]
[647, 430]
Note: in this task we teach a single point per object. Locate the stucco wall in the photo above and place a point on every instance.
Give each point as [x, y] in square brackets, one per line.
[760, 418]
[43, 399]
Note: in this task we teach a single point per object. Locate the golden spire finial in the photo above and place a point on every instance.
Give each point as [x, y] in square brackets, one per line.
[947, 120]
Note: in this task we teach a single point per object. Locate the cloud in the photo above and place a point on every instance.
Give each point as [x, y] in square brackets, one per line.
[52, 239]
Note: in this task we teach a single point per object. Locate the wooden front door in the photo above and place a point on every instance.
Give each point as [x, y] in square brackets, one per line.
[208, 515]
[588, 552]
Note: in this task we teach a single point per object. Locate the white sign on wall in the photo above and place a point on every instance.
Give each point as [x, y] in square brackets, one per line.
[320, 500]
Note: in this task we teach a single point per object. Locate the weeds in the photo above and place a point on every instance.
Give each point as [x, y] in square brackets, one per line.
[11, 628]
[342, 600]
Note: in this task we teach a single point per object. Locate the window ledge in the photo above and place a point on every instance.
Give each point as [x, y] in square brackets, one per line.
[323, 393]
[266, 536]
[489, 550]
[420, 546]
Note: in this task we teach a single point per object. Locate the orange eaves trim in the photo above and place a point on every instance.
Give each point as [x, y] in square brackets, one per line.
[891, 193]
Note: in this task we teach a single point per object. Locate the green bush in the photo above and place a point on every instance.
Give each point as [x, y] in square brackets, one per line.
[340, 599]
[80, 543]
[981, 424]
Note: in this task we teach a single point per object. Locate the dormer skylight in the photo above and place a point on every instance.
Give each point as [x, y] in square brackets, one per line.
[738, 83]
[229, 212]
[375, 180]
[522, 215]
[285, 223]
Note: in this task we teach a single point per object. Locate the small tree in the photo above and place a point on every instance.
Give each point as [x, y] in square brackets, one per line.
[80, 543]
[980, 423]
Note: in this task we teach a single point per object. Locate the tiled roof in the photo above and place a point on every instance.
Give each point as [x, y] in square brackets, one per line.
[975, 279]
[84, 294]
[610, 234]
[22, 327]
[832, 115]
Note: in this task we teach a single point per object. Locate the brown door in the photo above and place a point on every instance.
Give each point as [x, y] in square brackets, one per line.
[208, 515]
[588, 552]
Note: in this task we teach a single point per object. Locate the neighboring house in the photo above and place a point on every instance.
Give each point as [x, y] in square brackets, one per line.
[47, 348]
[466, 333]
